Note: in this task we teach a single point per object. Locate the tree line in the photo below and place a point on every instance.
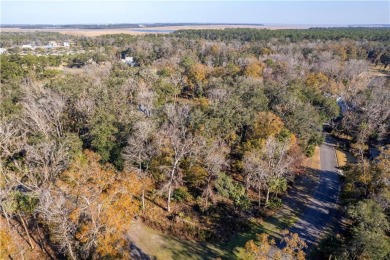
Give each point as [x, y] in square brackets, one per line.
[197, 138]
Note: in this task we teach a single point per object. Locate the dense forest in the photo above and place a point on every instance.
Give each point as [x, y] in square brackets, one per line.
[207, 131]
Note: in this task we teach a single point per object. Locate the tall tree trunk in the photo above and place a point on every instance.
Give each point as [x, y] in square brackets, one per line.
[143, 198]
[27, 233]
[170, 185]
[71, 251]
[6, 217]
[267, 198]
[169, 199]
[259, 198]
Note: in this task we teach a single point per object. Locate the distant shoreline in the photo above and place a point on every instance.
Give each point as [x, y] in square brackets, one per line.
[129, 30]
[117, 26]
[142, 29]
[158, 25]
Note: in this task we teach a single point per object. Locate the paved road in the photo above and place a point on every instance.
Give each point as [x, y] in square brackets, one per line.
[321, 207]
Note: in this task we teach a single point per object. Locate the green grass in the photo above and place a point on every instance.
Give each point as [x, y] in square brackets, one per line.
[234, 249]
[165, 247]
[288, 222]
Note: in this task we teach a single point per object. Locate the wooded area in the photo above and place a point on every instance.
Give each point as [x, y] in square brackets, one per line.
[208, 130]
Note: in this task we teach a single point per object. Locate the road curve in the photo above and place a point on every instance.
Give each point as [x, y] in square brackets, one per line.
[322, 205]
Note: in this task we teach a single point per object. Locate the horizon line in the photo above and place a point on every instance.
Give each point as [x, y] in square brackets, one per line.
[193, 23]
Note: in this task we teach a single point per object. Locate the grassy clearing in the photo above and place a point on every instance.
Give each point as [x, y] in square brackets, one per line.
[234, 249]
[162, 246]
[341, 157]
[344, 157]
[314, 161]
[165, 247]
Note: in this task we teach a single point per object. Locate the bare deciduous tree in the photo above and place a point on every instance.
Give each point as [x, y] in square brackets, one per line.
[272, 162]
[43, 110]
[45, 161]
[213, 159]
[56, 211]
[177, 140]
[12, 141]
[255, 174]
[140, 150]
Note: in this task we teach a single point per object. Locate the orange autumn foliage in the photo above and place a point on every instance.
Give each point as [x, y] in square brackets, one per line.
[8, 247]
[267, 124]
[102, 203]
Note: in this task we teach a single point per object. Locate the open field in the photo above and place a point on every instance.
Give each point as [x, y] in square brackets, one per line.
[344, 157]
[133, 31]
[165, 247]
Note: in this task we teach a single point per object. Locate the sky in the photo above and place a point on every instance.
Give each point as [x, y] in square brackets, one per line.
[342, 12]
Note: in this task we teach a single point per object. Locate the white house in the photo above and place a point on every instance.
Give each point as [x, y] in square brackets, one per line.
[66, 44]
[27, 46]
[3, 50]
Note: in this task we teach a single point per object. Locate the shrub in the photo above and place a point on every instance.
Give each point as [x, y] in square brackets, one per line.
[181, 194]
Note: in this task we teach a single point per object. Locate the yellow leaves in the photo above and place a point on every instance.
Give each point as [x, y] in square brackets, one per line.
[83, 231]
[217, 72]
[293, 140]
[232, 137]
[266, 51]
[261, 249]
[7, 246]
[265, 244]
[294, 245]
[267, 124]
[254, 70]
[101, 201]
[251, 247]
[118, 208]
[317, 80]
[196, 74]
[204, 103]
[86, 175]
[339, 50]
[300, 255]
[214, 49]
[229, 70]
[74, 215]
[277, 256]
